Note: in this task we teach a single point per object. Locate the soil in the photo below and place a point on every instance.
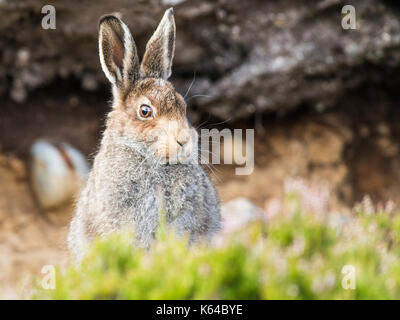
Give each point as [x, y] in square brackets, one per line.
[352, 152]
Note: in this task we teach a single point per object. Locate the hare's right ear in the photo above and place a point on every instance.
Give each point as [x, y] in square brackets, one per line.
[118, 55]
[157, 59]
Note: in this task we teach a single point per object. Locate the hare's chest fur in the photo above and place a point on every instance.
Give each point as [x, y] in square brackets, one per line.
[126, 192]
[173, 189]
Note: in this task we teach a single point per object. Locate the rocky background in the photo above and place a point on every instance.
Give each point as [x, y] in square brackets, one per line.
[323, 100]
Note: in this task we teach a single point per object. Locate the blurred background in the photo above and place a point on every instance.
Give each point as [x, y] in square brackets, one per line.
[323, 102]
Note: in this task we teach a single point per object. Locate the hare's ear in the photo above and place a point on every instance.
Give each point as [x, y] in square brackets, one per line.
[157, 60]
[117, 50]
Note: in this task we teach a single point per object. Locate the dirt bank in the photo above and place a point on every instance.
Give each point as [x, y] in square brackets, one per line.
[351, 150]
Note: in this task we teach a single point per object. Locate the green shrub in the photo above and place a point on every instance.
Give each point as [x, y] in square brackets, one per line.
[295, 255]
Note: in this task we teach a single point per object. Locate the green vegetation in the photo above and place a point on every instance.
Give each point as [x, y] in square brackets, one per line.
[294, 255]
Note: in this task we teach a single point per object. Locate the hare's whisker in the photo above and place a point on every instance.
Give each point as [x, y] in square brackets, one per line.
[222, 122]
[203, 122]
[212, 171]
[198, 95]
[209, 152]
[191, 84]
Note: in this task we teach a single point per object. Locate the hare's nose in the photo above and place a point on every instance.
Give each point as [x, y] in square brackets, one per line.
[182, 138]
[182, 142]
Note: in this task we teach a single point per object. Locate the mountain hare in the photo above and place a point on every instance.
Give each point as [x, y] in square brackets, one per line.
[146, 131]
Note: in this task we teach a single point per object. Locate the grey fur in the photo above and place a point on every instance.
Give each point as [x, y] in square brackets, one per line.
[120, 194]
[127, 180]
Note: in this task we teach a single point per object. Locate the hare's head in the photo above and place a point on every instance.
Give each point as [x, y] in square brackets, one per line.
[146, 107]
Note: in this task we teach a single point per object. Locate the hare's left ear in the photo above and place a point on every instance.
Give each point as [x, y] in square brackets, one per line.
[157, 60]
[117, 50]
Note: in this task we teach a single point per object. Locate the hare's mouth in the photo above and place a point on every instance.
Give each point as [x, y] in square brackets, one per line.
[182, 155]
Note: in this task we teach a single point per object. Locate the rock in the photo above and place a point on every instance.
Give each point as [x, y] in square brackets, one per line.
[58, 172]
[251, 58]
[237, 213]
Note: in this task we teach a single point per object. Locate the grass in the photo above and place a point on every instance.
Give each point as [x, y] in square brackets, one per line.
[294, 255]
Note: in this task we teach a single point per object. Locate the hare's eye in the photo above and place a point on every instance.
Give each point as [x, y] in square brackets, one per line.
[145, 111]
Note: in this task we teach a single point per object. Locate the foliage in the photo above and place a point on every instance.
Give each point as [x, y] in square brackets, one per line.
[293, 255]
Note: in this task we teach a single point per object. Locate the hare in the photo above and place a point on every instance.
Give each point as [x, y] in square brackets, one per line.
[134, 170]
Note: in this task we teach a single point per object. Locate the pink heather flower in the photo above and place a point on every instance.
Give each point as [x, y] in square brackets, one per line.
[272, 208]
[313, 197]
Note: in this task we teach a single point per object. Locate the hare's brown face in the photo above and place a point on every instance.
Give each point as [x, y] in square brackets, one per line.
[146, 106]
[154, 113]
